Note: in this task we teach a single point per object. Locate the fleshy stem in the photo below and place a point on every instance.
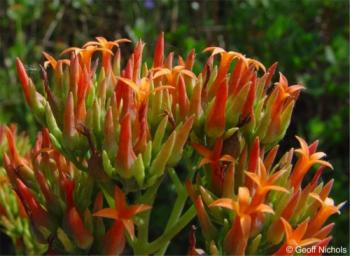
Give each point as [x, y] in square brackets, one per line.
[174, 230]
[178, 206]
[164, 239]
[175, 224]
[142, 238]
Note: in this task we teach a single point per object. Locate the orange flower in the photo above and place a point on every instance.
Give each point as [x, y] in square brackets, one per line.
[86, 54]
[225, 61]
[285, 94]
[237, 237]
[104, 43]
[327, 209]
[242, 206]
[294, 238]
[214, 157]
[53, 62]
[122, 214]
[106, 47]
[142, 88]
[171, 75]
[287, 91]
[307, 158]
[265, 182]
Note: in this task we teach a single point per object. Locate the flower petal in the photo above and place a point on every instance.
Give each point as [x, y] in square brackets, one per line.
[223, 202]
[109, 213]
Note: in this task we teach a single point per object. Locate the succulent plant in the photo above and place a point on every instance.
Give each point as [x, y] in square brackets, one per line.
[111, 133]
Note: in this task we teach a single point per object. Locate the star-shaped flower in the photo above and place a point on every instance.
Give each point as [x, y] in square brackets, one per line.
[122, 212]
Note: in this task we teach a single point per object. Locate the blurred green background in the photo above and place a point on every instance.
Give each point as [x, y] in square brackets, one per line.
[309, 39]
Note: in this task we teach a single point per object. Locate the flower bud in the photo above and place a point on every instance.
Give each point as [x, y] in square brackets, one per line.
[159, 51]
[126, 155]
[161, 160]
[51, 122]
[23, 77]
[181, 138]
[147, 154]
[82, 236]
[159, 135]
[215, 125]
[138, 170]
[34, 210]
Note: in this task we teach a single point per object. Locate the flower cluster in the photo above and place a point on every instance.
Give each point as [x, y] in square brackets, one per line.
[113, 131]
[261, 201]
[59, 201]
[13, 218]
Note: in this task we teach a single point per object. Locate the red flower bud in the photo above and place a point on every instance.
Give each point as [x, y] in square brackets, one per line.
[159, 51]
[82, 236]
[114, 240]
[23, 77]
[182, 99]
[36, 212]
[215, 125]
[126, 155]
[69, 118]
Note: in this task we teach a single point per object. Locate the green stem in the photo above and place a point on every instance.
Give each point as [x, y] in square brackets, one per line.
[177, 182]
[142, 238]
[160, 242]
[175, 224]
[177, 209]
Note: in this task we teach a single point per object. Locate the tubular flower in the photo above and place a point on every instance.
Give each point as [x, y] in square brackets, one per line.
[265, 183]
[115, 128]
[114, 240]
[326, 210]
[52, 62]
[295, 238]
[106, 47]
[237, 237]
[214, 158]
[211, 157]
[306, 160]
